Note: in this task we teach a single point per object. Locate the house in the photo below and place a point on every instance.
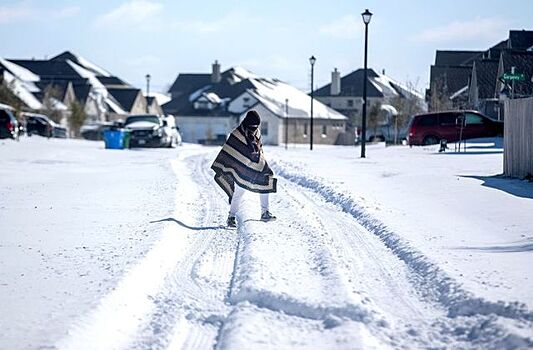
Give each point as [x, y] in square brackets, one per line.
[345, 95]
[472, 79]
[449, 78]
[208, 107]
[153, 105]
[481, 94]
[519, 62]
[68, 77]
[127, 100]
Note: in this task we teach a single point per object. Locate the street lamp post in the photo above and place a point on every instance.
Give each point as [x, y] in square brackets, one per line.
[367, 15]
[286, 123]
[312, 60]
[147, 91]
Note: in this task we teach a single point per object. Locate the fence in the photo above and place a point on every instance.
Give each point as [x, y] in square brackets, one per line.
[518, 138]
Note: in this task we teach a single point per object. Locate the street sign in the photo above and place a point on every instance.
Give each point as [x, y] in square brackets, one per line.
[514, 76]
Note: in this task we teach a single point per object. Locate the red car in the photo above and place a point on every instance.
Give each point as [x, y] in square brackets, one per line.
[452, 126]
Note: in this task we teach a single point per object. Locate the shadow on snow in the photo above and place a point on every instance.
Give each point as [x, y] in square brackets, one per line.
[516, 187]
[201, 228]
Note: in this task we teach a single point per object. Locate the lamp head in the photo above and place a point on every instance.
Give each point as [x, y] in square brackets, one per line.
[312, 60]
[367, 15]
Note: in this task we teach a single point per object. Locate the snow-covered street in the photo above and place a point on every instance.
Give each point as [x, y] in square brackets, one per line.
[408, 249]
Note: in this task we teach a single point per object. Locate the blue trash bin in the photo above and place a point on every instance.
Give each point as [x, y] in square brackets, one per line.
[114, 139]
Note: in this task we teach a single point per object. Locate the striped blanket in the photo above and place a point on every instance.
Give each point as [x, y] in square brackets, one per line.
[238, 163]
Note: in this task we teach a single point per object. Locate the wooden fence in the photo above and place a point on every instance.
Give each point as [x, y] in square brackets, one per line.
[518, 138]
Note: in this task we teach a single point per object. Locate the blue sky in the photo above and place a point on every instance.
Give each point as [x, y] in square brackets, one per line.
[272, 38]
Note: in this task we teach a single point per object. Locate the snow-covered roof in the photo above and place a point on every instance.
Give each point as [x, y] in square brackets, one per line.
[81, 61]
[379, 85]
[195, 95]
[212, 97]
[85, 73]
[22, 90]
[160, 97]
[235, 83]
[273, 93]
[3, 106]
[393, 87]
[19, 71]
[240, 73]
[459, 92]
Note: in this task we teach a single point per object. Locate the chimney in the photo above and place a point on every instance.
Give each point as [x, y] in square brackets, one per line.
[335, 82]
[215, 75]
[383, 71]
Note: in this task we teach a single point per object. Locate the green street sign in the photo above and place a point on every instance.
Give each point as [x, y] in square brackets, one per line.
[515, 76]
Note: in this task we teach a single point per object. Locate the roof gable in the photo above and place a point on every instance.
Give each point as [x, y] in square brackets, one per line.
[125, 96]
[486, 75]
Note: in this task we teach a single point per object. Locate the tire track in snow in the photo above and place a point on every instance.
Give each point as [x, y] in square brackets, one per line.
[192, 302]
[479, 317]
[304, 284]
[174, 297]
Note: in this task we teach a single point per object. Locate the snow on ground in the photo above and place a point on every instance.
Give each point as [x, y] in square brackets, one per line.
[407, 248]
[73, 219]
[452, 207]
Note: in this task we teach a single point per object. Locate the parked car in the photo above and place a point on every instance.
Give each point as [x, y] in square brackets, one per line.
[40, 124]
[151, 130]
[452, 126]
[9, 126]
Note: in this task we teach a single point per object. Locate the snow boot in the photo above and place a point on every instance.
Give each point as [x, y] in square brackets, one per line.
[231, 222]
[267, 216]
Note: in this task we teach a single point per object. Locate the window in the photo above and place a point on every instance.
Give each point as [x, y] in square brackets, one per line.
[428, 120]
[324, 130]
[447, 119]
[305, 129]
[264, 128]
[473, 119]
[246, 99]
[350, 103]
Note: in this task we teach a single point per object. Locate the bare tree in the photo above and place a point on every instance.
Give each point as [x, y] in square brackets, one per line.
[439, 99]
[9, 98]
[77, 118]
[374, 117]
[49, 104]
[407, 106]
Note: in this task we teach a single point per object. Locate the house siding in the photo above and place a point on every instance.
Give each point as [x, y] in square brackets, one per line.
[296, 128]
[201, 129]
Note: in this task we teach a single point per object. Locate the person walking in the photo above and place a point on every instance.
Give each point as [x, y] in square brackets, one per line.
[240, 165]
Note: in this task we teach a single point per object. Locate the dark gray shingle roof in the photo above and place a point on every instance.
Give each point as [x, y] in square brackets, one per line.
[456, 58]
[486, 75]
[352, 85]
[186, 83]
[520, 39]
[125, 96]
